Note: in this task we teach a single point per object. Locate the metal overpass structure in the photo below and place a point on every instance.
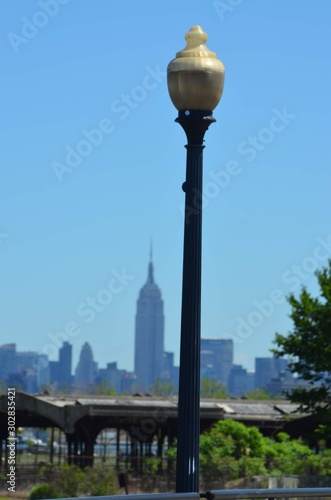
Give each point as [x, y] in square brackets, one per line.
[141, 421]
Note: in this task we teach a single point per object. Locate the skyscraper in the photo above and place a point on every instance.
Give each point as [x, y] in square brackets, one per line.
[85, 372]
[149, 333]
[7, 359]
[217, 358]
[270, 368]
[65, 357]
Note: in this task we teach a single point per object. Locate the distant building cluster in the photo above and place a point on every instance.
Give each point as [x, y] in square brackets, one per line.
[33, 372]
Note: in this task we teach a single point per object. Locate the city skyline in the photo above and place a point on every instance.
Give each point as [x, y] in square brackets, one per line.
[94, 165]
[34, 372]
[69, 333]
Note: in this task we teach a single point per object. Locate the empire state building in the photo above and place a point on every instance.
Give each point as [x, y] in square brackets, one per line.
[149, 333]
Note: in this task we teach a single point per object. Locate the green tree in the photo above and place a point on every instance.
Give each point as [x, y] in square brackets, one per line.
[212, 388]
[69, 481]
[46, 389]
[257, 393]
[230, 450]
[285, 455]
[43, 490]
[100, 480]
[234, 439]
[104, 389]
[163, 388]
[308, 347]
[317, 465]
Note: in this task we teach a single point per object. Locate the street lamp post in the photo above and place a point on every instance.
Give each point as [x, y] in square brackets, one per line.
[195, 83]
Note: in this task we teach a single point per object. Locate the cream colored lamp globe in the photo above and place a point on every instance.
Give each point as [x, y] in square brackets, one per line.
[195, 76]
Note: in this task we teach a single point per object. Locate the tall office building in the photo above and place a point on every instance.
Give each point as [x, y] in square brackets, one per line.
[7, 359]
[238, 382]
[149, 333]
[85, 371]
[270, 368]
[216, 359]
[65, 359]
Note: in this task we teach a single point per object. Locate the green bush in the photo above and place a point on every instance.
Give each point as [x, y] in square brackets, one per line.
[43, 490]
[69, 481]
[218, 469]
[286, 455]
[251, 466]
[232, 439]
[316, 465]
[230, 450]
[100, 480]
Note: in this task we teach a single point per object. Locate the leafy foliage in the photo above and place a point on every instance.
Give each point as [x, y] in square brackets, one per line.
[43, 490]
[100, 481]
[3, 387]
[286, 456]
[230, 450]
[163, 388]
[212, 388]
[232, 438]
[308, 347]
[104, 389]
[68, 481]
[257, 393]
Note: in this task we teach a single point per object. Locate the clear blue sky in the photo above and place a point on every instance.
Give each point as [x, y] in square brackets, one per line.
[73, 66]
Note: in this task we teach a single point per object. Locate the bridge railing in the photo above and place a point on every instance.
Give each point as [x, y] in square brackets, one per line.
[268, 493]
[239, 494]
[146, 496]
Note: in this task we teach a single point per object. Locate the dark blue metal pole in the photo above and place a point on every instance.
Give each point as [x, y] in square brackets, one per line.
[195, 124]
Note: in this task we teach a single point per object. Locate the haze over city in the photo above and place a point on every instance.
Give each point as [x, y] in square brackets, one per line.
[94, 164]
